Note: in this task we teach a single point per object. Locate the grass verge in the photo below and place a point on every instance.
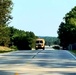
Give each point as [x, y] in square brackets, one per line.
[5, 49]
[73, 51]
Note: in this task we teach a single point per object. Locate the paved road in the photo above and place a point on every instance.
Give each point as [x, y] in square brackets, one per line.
[38, 62]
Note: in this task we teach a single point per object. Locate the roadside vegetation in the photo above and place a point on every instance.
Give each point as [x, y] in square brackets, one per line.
[50, 40]
[24, 40]
[10, 36]
[67, 30]
[73, 51]
[6, 49]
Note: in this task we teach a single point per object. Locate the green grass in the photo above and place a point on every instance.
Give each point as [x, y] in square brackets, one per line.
[73, 51]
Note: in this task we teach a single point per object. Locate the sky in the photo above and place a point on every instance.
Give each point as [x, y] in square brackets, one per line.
[42, 17]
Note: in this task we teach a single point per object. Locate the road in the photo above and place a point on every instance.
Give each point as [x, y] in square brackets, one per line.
[38, 62]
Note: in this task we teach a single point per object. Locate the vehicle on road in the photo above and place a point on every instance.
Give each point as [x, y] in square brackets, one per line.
[40, 44]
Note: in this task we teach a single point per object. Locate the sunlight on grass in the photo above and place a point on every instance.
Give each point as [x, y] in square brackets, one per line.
[5, 49]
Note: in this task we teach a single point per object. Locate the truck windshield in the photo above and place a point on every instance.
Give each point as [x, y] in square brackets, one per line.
[39, 41]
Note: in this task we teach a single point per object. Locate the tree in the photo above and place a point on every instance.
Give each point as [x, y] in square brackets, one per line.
[67, 29]
[21, 39]
[31, 39]
[5, 10]
[5, 18]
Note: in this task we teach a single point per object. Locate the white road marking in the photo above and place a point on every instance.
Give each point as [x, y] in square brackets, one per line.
[72, 55]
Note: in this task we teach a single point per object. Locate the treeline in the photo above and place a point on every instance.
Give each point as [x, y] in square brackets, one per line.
[18, 39]
[67, 30]
[10, 36]
[50, 40]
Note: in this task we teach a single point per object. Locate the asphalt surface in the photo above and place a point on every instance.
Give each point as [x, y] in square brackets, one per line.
[38, 62]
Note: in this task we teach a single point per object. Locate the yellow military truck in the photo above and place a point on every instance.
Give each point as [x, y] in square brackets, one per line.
[40, 44]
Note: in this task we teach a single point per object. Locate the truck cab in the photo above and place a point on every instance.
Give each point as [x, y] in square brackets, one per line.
[40, 44]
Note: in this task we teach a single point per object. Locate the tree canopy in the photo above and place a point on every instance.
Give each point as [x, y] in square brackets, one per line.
[67, 29]
[5, 18]
[21, 39]
[5, 11]
[10, 36]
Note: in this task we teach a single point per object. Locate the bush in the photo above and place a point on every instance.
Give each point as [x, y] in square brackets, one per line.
[14, 47]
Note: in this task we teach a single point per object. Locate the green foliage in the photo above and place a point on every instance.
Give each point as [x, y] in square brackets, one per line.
[5, 17]
[4, 36]
[31, 39]
[70, 17]
[5, 10]
[73, 51]
[13, 47]
[50, 40]
[21, 39]
[67, 29]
